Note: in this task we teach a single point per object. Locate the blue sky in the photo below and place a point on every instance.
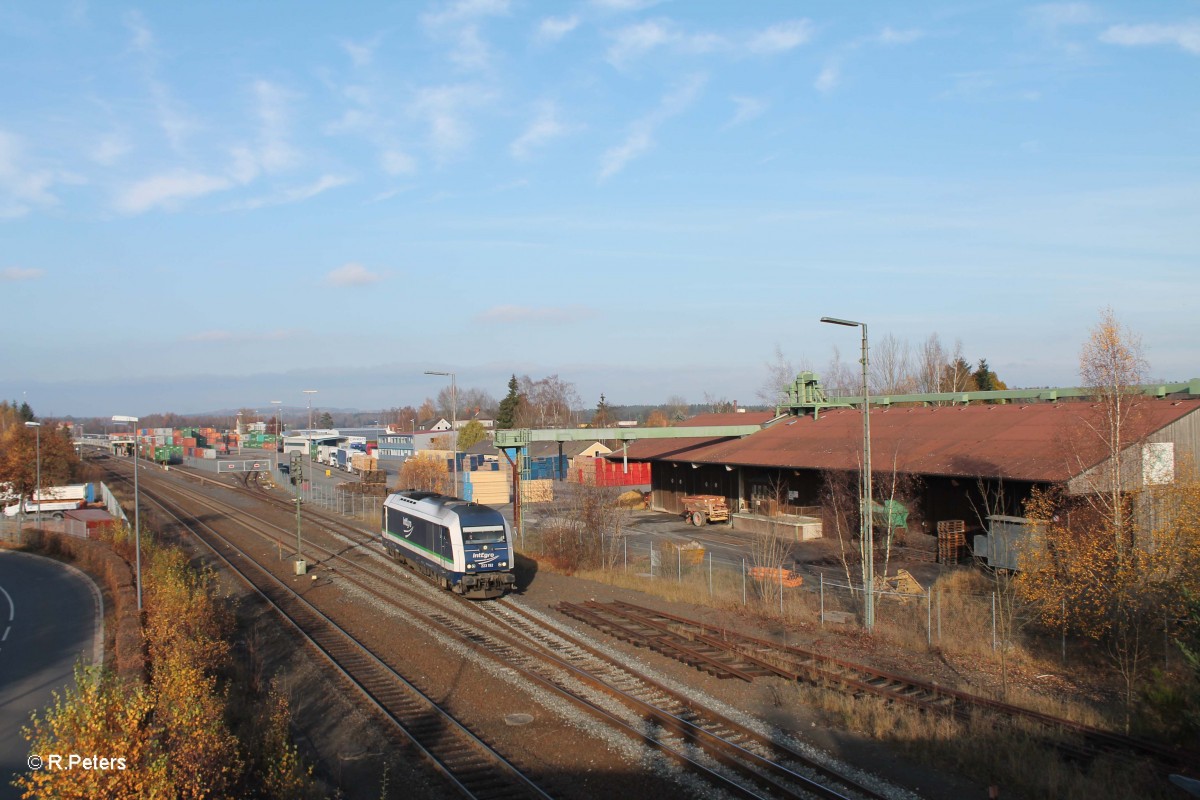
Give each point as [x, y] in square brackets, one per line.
[212, 205]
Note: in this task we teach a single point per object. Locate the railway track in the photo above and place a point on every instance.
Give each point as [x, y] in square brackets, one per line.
[472, 766]
[729, 654]
[741, 761]
[732, 655]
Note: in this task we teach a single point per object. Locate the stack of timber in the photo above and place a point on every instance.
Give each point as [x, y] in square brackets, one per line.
[367, 489]
[952, 541]
[361, 462]
[374, 476]
[537, 491]
[489, 487]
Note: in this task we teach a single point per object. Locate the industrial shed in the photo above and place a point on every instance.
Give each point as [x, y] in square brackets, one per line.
[956, 453]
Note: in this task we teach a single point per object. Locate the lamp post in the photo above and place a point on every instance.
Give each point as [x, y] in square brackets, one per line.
[866, 520]
[310, 393]
[137, 523]
[278, 431]
[37, 428]
[453, 419]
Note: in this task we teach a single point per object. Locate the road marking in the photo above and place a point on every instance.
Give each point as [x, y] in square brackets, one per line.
[12, 612]
[12, 607]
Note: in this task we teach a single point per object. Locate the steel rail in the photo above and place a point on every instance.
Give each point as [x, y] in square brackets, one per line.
[762, 771]
[817, 666]
[466, 761]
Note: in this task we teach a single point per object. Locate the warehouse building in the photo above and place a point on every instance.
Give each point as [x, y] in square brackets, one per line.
[953, 462]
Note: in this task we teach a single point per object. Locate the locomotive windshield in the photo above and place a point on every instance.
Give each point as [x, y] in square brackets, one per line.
[483, 535]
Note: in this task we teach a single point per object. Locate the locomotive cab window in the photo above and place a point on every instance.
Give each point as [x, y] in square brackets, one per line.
[483, 535]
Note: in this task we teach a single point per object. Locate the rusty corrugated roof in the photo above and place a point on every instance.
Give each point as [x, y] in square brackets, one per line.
[1043, 442]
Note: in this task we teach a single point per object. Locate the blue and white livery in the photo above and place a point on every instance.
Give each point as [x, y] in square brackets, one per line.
[465, 547]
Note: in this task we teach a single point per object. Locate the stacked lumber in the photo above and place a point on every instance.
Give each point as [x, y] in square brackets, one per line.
[374, 476]
[540, 491]
[952, 541]
[490, 487]
[361, 462]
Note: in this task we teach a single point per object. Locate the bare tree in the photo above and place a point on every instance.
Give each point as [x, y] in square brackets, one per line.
[472, 402]
[676, 408]
[1112, 364]
[718, 405]
[931, 365]
[840, 379]
[840, 499]
[547, 403]
[891, 366]
[781, 372]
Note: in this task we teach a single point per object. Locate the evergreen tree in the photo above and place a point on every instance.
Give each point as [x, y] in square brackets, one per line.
[603, 418]
[507, 417]
[26, 413]
[985, 379]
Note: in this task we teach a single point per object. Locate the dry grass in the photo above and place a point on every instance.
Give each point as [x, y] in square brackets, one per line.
[985, 748]
[981, 748]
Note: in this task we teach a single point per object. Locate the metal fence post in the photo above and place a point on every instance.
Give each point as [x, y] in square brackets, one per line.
[710, 591]
[822, 599]
[781, 590]
[929, 617]
[625, 542]
[743, 581]
[679, 565]
[993, 622]
[1064, 630]
[939, 605]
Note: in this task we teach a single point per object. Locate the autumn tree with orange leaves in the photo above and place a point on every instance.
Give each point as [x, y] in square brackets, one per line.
[1116, 558]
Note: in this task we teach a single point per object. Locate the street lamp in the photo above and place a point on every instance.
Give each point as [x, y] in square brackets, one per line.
[137, 523]
[278, 431]
[37, 427]
[867, 522]
[453, 419]
[310, 393]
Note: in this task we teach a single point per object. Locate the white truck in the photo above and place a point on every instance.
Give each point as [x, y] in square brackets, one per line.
[54, 500]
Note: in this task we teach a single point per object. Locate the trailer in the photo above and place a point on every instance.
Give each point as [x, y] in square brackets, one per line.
[701, 509]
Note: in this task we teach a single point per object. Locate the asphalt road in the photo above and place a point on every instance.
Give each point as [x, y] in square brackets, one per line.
[51, 615]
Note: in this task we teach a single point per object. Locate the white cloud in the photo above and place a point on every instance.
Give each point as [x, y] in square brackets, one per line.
[294, 195]
[23, 187]
[143, 37]
[352, 274]
[20, 274]
[459, 23]
[748, 108]
[466, 11]
[239, 337]
[361, 53]
[890, 35]
[641, 133]
[273, 151]
[545, 128]
[541, 315]
[174, 120]
[168, 190]
[624, 5]
[634, 41]
[829, 78]
[551, 29]
[1053, 16]
[443, 110]
[110, 149]
[1185, 35]
[397, 162]
[781, 36]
